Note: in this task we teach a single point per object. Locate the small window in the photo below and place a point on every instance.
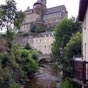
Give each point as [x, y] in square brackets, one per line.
[49, 47]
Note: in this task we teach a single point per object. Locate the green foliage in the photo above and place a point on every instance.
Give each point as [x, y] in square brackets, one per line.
[35, 57]
[24, 34]
[27, 46]
[65, 47]
[35, 53]
[10, 35]
[3, 59]
[26, 57]
[35, 28]
[72, 48]
[74, 45]
[16, 63]
[10, 15]
[64, 31]
[19, 18]
[15, 67]
[6, 72]
[13, 84]
[10, 19]
[25, 60]
[67, 83]
[0, 14]
[55, 52]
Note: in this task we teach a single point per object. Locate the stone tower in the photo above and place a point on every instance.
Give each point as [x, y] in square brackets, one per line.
[39, 7]
[42, 1]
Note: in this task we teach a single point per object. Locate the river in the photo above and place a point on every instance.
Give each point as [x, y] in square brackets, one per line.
[46, 77]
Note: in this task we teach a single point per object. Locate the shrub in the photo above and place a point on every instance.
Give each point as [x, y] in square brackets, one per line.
[15, 67]
[67, 83]
[25, 60]
[35, 28]
[27, 46]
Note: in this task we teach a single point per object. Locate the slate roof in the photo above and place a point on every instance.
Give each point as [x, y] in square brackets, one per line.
[82, 9]
[44, 34]
[39, 2]
[55, 9]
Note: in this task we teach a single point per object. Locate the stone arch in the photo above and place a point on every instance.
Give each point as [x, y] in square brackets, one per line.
[42, 61]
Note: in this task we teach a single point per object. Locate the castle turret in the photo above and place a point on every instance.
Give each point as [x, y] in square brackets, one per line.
[43, 2]
[39, 7]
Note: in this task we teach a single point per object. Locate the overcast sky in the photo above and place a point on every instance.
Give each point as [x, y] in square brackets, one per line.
[71, 5]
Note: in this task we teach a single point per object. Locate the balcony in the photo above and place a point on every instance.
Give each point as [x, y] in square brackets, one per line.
[80, 70]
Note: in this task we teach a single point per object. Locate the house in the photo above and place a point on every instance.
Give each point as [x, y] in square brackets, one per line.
[43, 42]
[83, 17]
[80, 67]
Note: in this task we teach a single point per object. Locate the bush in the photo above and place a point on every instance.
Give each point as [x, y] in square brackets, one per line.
[25, 60]
[15, 67]
[28, 63]
[13, 84]
[35, 28]
[27, 46]
[67, 83]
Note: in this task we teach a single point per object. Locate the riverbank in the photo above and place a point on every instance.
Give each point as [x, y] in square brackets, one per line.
[46, 77]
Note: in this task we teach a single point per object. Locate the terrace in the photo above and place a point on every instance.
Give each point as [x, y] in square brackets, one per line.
[80, 70]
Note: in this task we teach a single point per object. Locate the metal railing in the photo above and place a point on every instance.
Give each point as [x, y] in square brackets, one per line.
[80, 70]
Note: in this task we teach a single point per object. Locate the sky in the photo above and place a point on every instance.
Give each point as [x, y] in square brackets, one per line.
[72, 6]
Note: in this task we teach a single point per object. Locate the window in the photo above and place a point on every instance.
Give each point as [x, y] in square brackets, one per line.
[60, 15]
[51, 34]
[49, 47]
[40, 40]
[85, 24]
[47, 35]
[26, 26]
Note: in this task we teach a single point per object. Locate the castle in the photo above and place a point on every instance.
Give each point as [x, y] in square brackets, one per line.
[40, 14]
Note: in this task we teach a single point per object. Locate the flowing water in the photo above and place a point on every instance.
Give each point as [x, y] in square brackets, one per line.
[46, 77]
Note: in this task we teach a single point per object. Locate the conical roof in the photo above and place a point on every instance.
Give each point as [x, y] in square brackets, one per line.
[43, 2]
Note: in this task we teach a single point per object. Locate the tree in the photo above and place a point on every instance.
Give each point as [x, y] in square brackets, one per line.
[72, 48]
[38, 28]
[63, 32]
[10, 18]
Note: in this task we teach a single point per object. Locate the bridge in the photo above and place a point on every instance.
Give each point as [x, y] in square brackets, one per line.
[44, 57]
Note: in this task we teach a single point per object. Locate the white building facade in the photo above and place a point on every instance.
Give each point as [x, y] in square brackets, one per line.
[83, 17]
[43, 42]
[85, 36]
